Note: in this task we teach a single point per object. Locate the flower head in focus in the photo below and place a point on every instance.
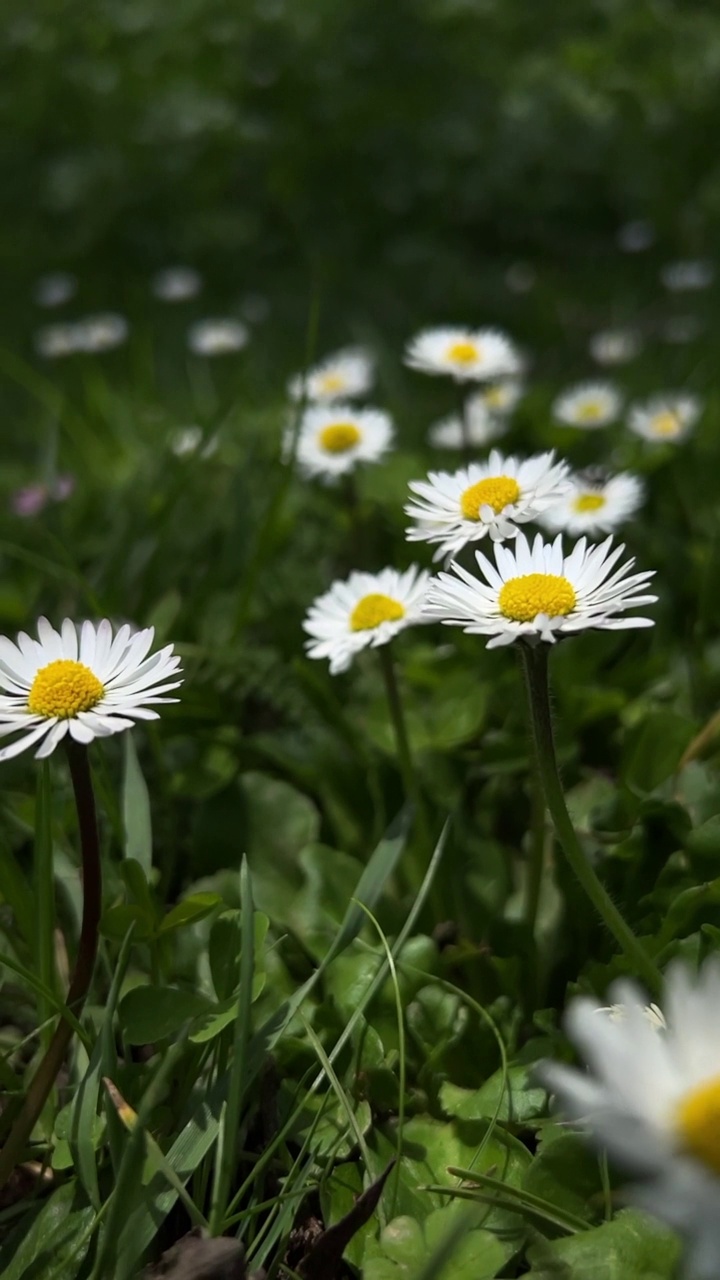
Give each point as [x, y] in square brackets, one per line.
[665, 419]
[342, 376]
[368, 609]
[595, 503]
[468, 355]
[651, 1098]
[82, 681]
[537, 593]
[615, 346]
[217, 337]
[176, 284]
[589, 405]
[332, 439]
[484, 498]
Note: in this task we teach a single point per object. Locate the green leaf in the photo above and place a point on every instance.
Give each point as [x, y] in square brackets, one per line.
[405, 1245]
[49, 1243]
[116, 921]
[136, 809]
[191, 909]
[653, 749]
[151, 1013]
[631, 1247]
[224, 949]
[509, 1096]
[566, 1173]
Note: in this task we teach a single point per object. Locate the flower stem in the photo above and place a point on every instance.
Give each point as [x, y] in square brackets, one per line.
[397, 716]
[535, 665]
[536, 861]
[52, 1061]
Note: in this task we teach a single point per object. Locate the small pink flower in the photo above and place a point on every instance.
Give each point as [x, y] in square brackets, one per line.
[29, 501]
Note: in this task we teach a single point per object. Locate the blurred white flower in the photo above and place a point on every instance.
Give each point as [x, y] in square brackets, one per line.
[56, 340]
[480, 427]
[636, 236]
[468, 355]
[588, 405]
[688, 274]
[334, 438]
[176, 284]
[101, 332]
[342, 376]
[217, 337]
[651, 1099]
[669, 417]
[537, 594]
[56, 289]
[368, 609]
[615, 346]
[188, 440]
[484, 498]
[520, 277]
[594, 503]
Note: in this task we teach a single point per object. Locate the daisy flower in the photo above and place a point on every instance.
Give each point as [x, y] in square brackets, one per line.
[81, 681]
[615, 346]
[536, 593]
[55, 290]
[217, 337]
[663, 418]
[490, 497]
[588, 405]
[636, 236]
[466, 354]
[346, 374]
[479, 428]
[594, 503]
[176, 284]
[332, 439]
[499, 397]
[690, 274]
[368, 609]
[56, 340]
[102, 332]
[651, 1098]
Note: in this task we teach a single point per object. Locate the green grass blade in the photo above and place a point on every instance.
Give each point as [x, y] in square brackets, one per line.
[136, 809]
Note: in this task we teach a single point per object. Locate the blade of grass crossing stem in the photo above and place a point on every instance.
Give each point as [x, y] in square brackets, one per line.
[45, 897]
[241, 1039]
[196, 1139]
[55, 1004]
[103, 1061]
[339, 1092]
[136, 809]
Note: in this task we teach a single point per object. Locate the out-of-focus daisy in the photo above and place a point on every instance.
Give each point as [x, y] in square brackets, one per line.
[56, 340]
[176, 284]
[636, 236]
[479, 427]
[651, 1099]
[499, 397]
[595, 503]
[490, 497]
[686, 275]
[217, 337]
[191, 440]
[102, 332]
[254, 307]
[466, 354]
[33, 498]
[342, 376]
[520, 277]
[55, 290]
[81, 681]
[665, 418]
[681, 329]
[367, 609]
[333, 439]
[615, 346]
[619, 1012]
[589, 405]
[536, 593]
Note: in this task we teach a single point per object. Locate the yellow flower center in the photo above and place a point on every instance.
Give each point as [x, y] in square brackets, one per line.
[496, 492]
[697, 1122]
[374, 609]
[666, 423]
[63, 688]
[464, 352]
[590, 411]
[523, 598]
[338, 437]
[589, 502]
[332, 382]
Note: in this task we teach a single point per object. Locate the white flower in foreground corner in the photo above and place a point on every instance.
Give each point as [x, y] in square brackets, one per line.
[665, 418]
[479, 428]
[217, 337]
[594, 503]
[615, 346]
[368, 609]
[589, 405]
[332, 439]
[490, 497]
[536, 593]
[81, 681]
[346, 374]
[652, 1099]
[467, 354]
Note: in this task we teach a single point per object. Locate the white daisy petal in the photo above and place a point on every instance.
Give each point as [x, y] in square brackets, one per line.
[342, 376]
[665, 419]
[588, 405]
[332, 439]
[366, 610]
[594, 503]
[468, 355]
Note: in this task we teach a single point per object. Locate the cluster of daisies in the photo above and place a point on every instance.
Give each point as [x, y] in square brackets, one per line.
[530, 590]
